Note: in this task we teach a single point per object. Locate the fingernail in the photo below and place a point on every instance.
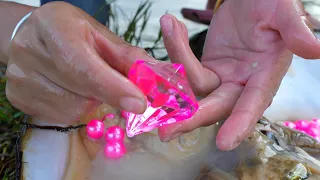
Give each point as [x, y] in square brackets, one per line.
[174, 136]
[132, 104]
[166, 25]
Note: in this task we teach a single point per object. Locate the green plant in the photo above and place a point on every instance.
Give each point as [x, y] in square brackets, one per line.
[136, 27]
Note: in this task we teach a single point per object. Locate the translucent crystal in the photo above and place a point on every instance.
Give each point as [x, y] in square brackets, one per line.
[170, 97]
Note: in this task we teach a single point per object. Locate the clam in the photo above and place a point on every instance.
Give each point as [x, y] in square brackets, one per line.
[272, 151]
[73, 156]
[261, 156]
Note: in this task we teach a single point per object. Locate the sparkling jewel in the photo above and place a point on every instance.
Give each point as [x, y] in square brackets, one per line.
[115, 133]
[95, 129]
[169, 95]
[114, 149]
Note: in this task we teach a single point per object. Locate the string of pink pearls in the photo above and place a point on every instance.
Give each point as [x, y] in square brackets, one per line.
[311, 128]
[114, 136]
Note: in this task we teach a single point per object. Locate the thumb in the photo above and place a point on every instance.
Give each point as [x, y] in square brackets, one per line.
[293, 25]
[176, 41]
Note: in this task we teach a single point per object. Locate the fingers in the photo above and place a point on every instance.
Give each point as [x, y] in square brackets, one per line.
[291, 21]
[116, 52]
[217, 106]
[199, 16]
[74, 45]
[78, 66]
[96, 79]
[176, 40]
[44, 100]
[254, 100]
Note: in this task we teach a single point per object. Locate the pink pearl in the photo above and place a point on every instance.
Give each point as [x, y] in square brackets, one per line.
[124, 114]
[95, 129]
[302, 125]
[108, 116]
[314, 132]
[114, 149]
[115, 133]
[316, 121]
[290, 124]
[303, 131]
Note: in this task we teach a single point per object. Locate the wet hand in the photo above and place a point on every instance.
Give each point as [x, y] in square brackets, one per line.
[248, 51]
[63, 64]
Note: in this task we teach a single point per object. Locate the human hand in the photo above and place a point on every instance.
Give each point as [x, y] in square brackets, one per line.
[63, 63]
[248, 51]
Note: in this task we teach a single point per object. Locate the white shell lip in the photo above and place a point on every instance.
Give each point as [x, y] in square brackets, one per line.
[43, 160]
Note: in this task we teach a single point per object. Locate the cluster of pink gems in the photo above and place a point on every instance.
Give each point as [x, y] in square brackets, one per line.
[311, 128]
[114, 136]
[168, 92]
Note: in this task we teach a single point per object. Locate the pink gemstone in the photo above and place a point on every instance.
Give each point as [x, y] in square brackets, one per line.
[313, 131]
[115, 133]
[316, 121]
[302, 125]
[95, 129]
[108, 116]
[290, 124]
[170, 97]
[115, 149]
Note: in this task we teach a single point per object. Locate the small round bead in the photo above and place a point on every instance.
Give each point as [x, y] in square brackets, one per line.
[124, 115]
[290, 124]
[312, 131]
[108, 116]
[316, 122]
[115, 133]
[95, 129]
[302, 125]
[115, 149]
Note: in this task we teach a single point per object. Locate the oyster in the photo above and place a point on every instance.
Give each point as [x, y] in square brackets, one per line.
[261, 156]
[272, 151]
[73, 156]
[312, 8]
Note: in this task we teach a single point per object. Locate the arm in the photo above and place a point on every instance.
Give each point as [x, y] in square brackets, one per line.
[10, 15]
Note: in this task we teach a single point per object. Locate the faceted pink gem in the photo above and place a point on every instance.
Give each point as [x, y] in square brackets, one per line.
[170, 97]
[290, 124]
[108, 116]
[114, 149]
[95, 129]
[115, 133]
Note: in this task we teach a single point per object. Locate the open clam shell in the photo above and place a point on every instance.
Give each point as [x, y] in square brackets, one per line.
[73, 156]
[53, 155]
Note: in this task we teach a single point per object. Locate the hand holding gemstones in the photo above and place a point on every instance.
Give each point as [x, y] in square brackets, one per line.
[247, 52]
[63, 64]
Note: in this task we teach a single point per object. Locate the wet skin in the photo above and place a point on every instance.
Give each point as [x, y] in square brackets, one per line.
[247, 52]
[68, 66]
